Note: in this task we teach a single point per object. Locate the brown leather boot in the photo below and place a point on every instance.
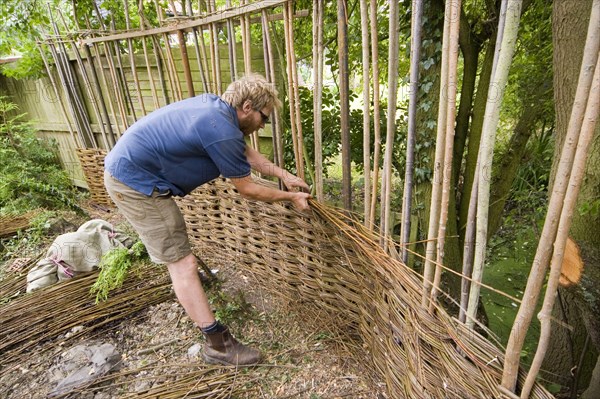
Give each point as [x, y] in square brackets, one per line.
[222, 348]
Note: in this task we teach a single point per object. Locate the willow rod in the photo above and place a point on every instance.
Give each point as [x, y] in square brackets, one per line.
[544, 250]
[436, 183]
[488, 138]
[276, 121]
[415, 57]
[301, 149]
[577, 174]
[57, 94]
[449, 141]
[182, 39]
[199, 59]
[67, 91]
[291, 96]
[170, 67]
[469, 245]
[213, 61]
[266, 42]
[344, 84]
[231, 45]
[246, 50]
[108, 140]
[146, 59]
[121, 75]
[391, 122]
[112, 73]
[318, 94]
[80, 114]
[132, 60]
[364, 25]
[204, 54]
[214, 30]
[376, 113]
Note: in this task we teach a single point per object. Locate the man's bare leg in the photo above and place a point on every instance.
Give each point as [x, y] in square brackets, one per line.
[189, 291]
[221, 347]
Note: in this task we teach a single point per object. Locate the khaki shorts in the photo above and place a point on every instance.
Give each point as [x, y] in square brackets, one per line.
[156, 219]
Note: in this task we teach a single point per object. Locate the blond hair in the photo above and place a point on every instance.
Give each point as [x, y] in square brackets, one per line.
[254, 88]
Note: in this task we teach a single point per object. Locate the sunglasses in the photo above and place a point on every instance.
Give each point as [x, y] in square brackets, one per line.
[265, 118]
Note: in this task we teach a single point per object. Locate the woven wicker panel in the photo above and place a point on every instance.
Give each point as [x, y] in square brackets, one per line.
[92, 163]
[418, 354]
[336, 264]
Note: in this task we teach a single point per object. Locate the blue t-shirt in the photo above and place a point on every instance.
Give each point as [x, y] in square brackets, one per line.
[180, 147]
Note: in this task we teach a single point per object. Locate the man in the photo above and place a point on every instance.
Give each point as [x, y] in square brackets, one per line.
[176, 149]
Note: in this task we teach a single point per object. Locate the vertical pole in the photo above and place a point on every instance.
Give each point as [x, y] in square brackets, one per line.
[318, 7]
[342, 10]
[376, 112]
[415, 57]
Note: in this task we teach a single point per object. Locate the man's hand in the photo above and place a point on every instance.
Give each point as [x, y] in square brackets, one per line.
[292, 181]
[300, 201]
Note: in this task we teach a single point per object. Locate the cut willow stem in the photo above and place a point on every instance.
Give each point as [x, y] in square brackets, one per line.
[344, 86]
[544, 250]
[583, 146]
[132, 60]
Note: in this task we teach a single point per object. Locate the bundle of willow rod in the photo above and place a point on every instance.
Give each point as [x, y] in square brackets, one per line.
[31, 320]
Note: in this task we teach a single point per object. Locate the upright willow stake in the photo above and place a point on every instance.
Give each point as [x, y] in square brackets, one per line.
[342, 12]
[542, 255]
[364, 25]
[391, 123]
[583, 146]
[488, 138]
[376, 111]
[436, 182]
[415, 57]
[469, 246]
[318, 6]
[270, 75]
[291, 90]
[449, 143]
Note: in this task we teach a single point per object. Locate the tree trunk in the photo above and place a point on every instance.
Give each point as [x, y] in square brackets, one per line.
[581, 301]
[510, 162]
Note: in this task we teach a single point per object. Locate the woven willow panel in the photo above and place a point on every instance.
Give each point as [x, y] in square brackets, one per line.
[417, 354]
[336, 265]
